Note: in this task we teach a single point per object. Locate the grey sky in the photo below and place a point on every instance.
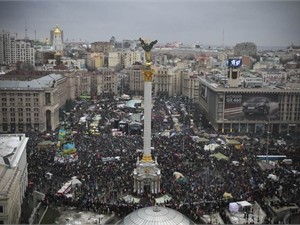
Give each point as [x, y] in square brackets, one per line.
[266, 23]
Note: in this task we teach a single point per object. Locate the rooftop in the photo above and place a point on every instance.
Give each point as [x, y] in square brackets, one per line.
[12, 146]
[39, 84]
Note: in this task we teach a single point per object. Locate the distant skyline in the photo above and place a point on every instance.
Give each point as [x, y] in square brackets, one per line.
[265, 23]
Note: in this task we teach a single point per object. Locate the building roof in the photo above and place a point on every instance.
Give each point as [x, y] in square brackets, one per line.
[156, 215]
[38, 84]
[13, 145]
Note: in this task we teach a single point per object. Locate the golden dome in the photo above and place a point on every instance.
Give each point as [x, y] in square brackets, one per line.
[57, 30]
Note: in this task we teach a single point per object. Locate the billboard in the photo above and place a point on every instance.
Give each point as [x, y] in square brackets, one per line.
[251, 107]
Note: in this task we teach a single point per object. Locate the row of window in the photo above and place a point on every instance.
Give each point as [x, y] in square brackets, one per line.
[20, 120]
[19, 94]
[20, 109]
[20, 99]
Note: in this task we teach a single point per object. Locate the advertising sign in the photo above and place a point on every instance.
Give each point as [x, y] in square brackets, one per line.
[251, 107]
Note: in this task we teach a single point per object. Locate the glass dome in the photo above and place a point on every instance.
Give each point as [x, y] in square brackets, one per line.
[156, 215]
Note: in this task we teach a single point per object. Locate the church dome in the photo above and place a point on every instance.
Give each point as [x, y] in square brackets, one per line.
[57, 30]
[156, 215]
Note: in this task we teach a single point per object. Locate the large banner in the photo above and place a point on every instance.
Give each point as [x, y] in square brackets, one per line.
[251, 107]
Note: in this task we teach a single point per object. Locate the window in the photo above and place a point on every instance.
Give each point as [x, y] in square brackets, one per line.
[3, 99]
[27, 109]
[36, 114]
[12, 99]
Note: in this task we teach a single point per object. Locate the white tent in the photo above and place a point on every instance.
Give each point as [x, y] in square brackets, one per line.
[233, 207]
[244, 204]
[210, 147]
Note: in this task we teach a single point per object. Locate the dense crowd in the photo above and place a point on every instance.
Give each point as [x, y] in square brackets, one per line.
[103, 183]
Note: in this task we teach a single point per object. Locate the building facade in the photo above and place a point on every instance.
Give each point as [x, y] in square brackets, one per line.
[251, 110]
[13, 50]
[13, 176]
[101, 46]
[34, 104]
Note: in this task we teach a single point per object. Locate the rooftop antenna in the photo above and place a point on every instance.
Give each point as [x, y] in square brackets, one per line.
[223, 39]
[26, 29]
[16, 36]
[34, 35]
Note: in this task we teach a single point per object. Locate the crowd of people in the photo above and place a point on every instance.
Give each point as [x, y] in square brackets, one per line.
[105, 182]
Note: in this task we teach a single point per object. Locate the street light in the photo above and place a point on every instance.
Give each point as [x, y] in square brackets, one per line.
[268, 133]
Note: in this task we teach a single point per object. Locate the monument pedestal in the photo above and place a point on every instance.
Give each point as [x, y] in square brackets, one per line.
[147, 178]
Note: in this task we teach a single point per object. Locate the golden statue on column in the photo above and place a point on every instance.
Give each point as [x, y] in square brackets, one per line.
[148, 72]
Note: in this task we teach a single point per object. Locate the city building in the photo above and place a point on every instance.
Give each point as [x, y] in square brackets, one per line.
[104, 81]
[13, 50]
[136, 79]
[32, 104]
[94, 61]
[102, 46]
[13, 176]
[234, 108]
[125, 57]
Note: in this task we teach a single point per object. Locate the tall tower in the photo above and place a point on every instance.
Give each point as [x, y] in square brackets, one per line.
[147, 175]
[56, 38]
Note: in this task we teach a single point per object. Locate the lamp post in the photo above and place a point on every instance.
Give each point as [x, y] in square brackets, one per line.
[268, 133]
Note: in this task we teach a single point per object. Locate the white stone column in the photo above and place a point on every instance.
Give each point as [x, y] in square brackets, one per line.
[147, 117]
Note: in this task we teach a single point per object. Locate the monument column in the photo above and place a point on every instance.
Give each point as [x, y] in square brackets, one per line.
[147, 169]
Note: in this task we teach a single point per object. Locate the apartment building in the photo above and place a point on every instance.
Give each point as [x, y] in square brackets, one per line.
[13, 176]
[136, 79]
[13, 50]
[32, 104]
[104, 81]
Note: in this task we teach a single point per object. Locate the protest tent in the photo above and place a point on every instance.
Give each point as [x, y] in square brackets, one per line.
[233, 207]
[219, 156]
[227, 195]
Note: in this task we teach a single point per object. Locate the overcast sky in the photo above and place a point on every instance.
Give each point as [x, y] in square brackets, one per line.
[265, 23]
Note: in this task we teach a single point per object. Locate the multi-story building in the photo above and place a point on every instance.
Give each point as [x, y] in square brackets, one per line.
[70, 64]
[32, 104]
[12, 50]
[136, 79]
[94, 61]
[101, 46]
[104, 81]
[126, 58]
[13, 176]
[250, 110]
